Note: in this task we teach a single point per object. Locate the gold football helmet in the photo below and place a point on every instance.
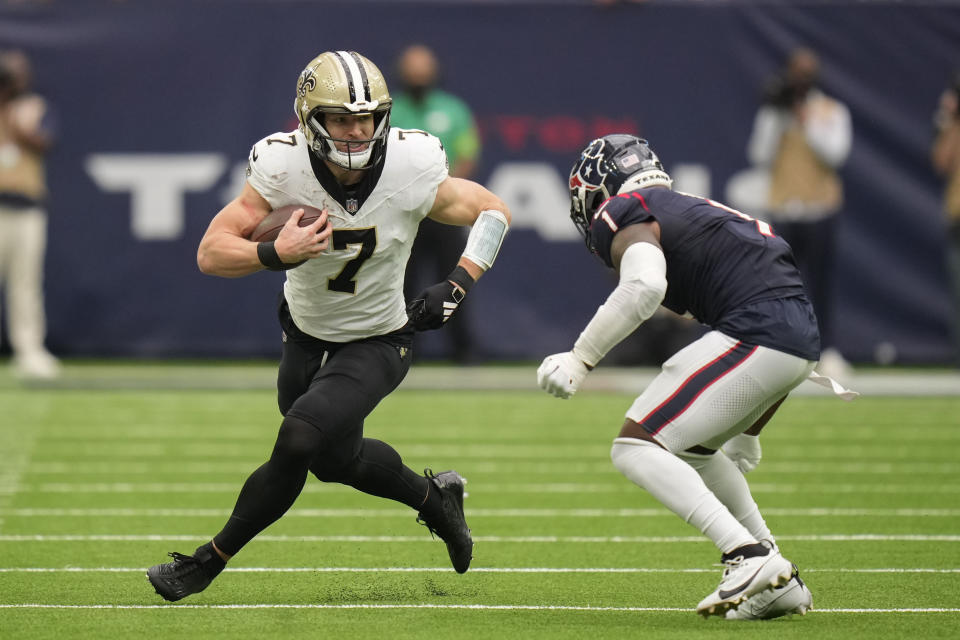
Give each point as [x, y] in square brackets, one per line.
[343, 82]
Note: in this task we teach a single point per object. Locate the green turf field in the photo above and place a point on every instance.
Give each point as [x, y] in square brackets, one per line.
[96, 485]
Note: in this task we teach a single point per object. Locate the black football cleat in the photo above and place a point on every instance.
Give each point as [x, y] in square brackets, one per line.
[186, 575]
[449, 523]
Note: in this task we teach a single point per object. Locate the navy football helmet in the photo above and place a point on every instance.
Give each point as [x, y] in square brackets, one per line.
[611, 165]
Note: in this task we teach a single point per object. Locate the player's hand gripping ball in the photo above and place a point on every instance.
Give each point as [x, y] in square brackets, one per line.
[268, 230]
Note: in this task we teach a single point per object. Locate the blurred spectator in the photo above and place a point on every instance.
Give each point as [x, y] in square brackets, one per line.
[420, 104]
[946, 161]
[803, 137]
[26, 132]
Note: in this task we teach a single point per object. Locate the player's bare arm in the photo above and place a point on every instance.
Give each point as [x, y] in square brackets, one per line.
[460, 202]
[225, 249]
[648, 232]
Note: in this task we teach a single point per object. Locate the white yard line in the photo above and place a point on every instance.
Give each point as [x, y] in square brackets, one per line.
[474, 513]
[479, 464]
[864, 537]
[482, 607]
[486, 489]
[521, 570]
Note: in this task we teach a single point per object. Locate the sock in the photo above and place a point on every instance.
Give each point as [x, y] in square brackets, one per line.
[727, 482]
[432, 503]
[212, 563]
[747, 551]
[679, 488]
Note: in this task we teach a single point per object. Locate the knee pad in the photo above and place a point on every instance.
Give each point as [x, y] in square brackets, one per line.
[297, 442]
[628, 456]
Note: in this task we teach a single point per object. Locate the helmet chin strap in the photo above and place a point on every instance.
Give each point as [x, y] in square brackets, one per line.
[346, 159]
[581, 199]
[352, 161]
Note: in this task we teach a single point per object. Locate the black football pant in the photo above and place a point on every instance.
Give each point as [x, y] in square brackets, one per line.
[325, 390]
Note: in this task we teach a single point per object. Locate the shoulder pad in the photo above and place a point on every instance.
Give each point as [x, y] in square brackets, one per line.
[422, 149]
[272, 155]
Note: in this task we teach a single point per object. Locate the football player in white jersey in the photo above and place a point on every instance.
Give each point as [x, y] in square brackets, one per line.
[347, 331]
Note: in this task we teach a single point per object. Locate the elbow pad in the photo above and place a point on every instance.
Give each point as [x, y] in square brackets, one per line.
[643, 270]
[643, 284]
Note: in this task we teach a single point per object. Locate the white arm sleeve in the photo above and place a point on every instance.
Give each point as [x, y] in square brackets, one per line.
[643, 283]
[486, 236]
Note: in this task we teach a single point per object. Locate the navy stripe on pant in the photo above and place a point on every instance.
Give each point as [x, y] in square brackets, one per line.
[681, 399]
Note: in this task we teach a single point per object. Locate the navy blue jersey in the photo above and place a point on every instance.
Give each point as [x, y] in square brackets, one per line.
[726, 269]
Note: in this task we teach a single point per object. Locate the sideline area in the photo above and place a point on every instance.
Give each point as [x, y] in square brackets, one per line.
[260, 374]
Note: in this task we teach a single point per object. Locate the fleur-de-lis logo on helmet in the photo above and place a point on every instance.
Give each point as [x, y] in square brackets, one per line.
[307, 82]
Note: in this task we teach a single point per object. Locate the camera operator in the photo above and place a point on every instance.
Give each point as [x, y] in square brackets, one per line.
[802, 137]
[945, 157]
[27, 128]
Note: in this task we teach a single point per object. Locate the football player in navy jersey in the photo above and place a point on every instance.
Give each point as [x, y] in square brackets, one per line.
[692, 434]
[347, 330]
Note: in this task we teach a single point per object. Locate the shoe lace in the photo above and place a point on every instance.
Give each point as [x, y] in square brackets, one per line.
[185, 565]
[731, 565]
[433, 532]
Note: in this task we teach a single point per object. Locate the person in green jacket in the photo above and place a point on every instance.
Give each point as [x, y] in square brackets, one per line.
[422, 105]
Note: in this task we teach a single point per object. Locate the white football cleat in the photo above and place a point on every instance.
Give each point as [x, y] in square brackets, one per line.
[749, 570]
[792, 598]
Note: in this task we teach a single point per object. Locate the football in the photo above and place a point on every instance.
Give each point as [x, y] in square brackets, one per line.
[269, 227]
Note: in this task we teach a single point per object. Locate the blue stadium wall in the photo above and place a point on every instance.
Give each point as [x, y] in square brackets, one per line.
[160, 101]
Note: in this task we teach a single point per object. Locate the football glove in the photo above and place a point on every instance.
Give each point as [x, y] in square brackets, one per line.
[744, 450]
[436, 304]
[561, 374]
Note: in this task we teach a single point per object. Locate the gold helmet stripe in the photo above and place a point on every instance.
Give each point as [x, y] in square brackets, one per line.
[356, 78]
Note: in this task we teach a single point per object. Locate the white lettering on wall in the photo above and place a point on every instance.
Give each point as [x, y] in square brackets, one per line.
[691, 178]
[536, 192]
[537, 196]
[157, 184]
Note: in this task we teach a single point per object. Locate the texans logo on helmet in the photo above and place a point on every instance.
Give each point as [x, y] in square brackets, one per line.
[590, 171]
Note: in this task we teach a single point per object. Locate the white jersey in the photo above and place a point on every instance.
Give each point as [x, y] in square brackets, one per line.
[354, 290]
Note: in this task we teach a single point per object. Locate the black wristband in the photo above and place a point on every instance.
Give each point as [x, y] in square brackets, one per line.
[461, 278]
[268, 256]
